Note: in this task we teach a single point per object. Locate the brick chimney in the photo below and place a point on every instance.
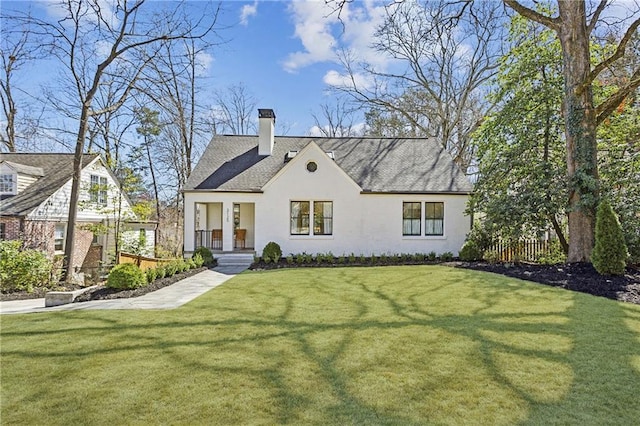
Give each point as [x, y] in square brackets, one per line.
[266, 122]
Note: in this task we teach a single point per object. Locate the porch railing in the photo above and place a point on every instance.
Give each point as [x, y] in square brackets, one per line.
[211, 239]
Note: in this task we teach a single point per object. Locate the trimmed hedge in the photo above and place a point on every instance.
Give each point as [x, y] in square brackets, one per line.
[205, 254]
[271, 252]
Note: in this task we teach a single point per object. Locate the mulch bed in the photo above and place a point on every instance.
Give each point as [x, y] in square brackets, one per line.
[580, 277]
[103, 293]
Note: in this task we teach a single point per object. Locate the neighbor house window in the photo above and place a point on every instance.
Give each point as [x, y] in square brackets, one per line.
[300, 218]
[434, 219]
[58, 238]
[322, 218]
[98, 190]
[3, 231]
[6, 183]
[411, 217]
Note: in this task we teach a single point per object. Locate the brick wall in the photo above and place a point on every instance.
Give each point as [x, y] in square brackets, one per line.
[11, 227]
[81, 247]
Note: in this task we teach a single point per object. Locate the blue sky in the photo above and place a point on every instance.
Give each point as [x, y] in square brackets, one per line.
[283, 52]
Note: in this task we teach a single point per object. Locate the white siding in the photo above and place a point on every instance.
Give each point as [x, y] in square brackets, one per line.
[56, 207]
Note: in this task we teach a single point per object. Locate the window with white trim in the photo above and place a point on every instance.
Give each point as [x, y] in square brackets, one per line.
[433, 218]
[411, 218]
[98, 189]
[7, 184]
[59, 237]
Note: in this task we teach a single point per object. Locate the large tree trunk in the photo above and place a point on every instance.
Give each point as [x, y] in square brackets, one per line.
[67, 262]
[580, 130]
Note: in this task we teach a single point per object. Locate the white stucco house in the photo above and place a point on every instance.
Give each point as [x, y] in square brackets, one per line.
[318, 195]
[35, 190]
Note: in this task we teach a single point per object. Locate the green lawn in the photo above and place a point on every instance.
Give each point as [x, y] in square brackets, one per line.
[392, 345]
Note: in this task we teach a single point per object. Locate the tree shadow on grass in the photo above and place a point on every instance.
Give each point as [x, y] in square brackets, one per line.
[386, 351]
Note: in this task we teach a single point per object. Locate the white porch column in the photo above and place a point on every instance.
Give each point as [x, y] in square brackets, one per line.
[189, 223]
[227, 226]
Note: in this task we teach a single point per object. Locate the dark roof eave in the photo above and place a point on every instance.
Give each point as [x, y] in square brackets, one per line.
[368, 192]
[226, 191]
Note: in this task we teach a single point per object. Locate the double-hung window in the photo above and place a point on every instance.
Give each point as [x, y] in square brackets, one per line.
[303, 211]
[434, 219]
[300, 217]
[98, 190]
[322, 218]
[411, 217]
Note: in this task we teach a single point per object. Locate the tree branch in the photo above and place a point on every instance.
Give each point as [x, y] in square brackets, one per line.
[612, 102]
[553, 23]
[619, 53]
[596, 15]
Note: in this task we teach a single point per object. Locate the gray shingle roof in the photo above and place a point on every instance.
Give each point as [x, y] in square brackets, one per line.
[232, 163]
[57, 170]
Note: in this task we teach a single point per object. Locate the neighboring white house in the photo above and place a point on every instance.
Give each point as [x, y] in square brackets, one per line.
[318, 195]
[35, 191]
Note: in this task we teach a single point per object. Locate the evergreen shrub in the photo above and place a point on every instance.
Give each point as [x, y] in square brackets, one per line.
[205, 253]
[610, 253]
[271, 252]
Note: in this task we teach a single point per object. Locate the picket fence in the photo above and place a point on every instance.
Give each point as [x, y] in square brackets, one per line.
[525, 250]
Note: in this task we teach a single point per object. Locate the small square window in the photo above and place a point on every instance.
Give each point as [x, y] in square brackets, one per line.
[7, 184]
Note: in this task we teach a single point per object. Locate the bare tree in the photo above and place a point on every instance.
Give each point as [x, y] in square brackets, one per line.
[336, 120]
[575, 27]
[96, 43]
[17, 49]
[234, 110]
[443, 55]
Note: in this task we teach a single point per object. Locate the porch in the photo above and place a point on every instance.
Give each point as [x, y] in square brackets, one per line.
[224, 227]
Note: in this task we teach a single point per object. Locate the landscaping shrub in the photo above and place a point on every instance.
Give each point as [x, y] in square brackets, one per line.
[161, 272]
[170, 269]
[205, 253]
[432, 256]
[271, 252]
[447, 256]
[126, 276]
[191, 264]
[290, 259]
[152, 274]
[470, 252]
[22, 269]
[198, 260]
[610, 253]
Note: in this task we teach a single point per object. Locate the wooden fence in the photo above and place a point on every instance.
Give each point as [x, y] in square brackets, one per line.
[527, 250]
[143, 262]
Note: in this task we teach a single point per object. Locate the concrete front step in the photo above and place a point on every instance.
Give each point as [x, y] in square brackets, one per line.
[234, 259]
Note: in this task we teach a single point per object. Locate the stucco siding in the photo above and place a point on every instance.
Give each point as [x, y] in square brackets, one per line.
[363, 223]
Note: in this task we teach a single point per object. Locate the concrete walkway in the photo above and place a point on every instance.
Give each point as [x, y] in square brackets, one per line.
[169, 297]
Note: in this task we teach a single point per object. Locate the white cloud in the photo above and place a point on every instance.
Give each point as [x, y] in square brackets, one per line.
[203, 63]
[323, 34]
[335, 79]
[247, 11]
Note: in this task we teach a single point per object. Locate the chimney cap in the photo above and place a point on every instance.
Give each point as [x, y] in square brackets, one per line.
[266, 113]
